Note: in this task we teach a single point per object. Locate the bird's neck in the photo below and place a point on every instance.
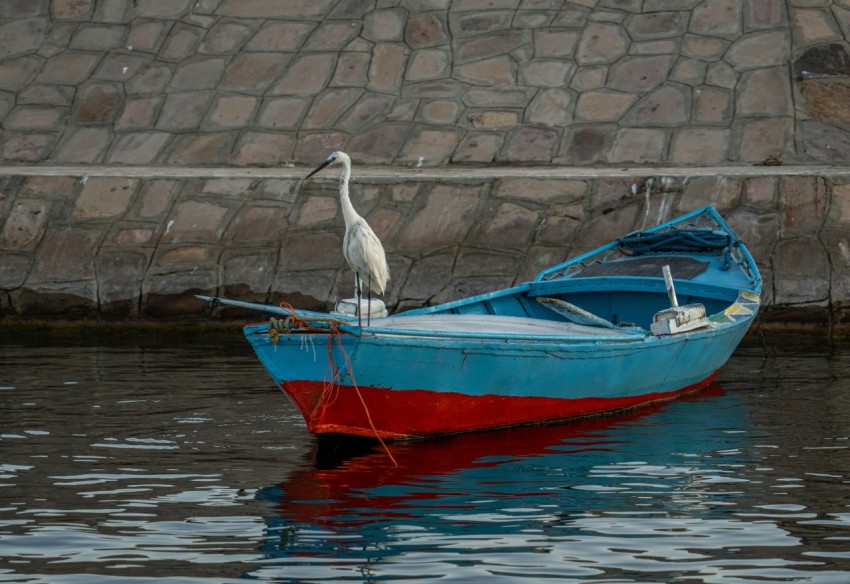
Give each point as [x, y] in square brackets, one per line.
[348, 212]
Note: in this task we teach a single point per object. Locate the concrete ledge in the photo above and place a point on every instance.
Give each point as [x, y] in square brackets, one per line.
[426, 173]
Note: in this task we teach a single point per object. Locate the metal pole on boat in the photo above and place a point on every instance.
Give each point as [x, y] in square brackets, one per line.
[671, 291]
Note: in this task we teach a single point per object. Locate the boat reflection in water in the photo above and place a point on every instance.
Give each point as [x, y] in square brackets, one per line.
[343, 480]
[662, 490]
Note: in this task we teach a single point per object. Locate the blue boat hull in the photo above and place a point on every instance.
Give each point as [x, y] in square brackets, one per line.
[432, 387]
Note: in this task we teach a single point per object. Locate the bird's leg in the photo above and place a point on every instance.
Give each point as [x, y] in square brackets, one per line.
[358, 290]
[369, 302]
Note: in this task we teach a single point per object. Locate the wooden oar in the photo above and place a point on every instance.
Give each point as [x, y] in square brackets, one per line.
[578, 315]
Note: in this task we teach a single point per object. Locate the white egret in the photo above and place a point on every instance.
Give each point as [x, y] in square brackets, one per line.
[360, 246]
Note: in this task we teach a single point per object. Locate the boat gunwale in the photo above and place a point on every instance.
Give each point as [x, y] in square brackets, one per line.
[498, 341]
[372, 332]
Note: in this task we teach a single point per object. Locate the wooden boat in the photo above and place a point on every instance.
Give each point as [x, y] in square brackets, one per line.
[648, 317]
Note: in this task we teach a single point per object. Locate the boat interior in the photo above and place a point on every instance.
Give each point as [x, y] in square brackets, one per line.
[623, 294]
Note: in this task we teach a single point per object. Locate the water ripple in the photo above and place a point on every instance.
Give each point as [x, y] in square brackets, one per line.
[181, 462]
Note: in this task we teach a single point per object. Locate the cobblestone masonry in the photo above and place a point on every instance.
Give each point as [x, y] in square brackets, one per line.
[424, 82]
[140, 244]
[552, 96]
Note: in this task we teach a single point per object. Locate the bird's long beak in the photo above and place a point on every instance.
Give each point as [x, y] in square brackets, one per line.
[321, 166]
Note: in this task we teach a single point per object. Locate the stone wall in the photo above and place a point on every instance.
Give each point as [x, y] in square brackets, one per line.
[139, 245]
[424, 82]
[154, 148]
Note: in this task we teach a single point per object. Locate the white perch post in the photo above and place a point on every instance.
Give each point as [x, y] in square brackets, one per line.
[671, 291]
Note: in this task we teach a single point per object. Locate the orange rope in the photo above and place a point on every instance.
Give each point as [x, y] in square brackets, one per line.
[329, 396]
[362, 401]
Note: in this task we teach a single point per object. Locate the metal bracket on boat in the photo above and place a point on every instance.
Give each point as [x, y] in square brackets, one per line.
[677, 319]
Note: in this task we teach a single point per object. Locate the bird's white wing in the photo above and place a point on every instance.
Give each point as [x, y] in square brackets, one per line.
[365, 254]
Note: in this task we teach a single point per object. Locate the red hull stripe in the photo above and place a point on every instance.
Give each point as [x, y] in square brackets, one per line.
[409, 414]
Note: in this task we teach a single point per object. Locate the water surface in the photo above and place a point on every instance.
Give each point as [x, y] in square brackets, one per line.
[152, 459]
